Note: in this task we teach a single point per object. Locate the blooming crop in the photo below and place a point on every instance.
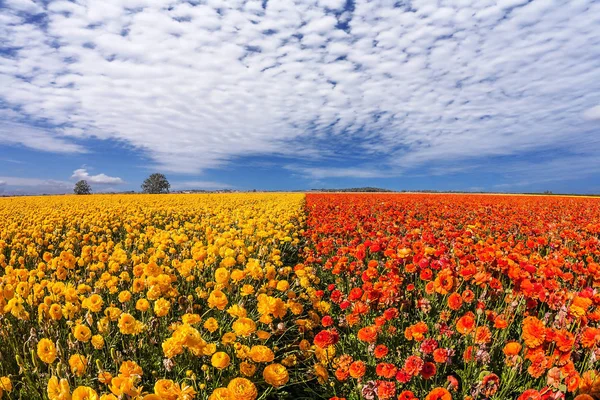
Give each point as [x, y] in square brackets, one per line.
[343, 297]
[150, 297]
[455, 296]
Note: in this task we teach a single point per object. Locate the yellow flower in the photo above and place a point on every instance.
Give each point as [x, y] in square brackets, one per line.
[103, 325]
[124, 296]
[6, 384]
[82, 333]
[282, 286]
[244, 327]
[221, 275]
[166, 389]
[191, 319]
[209, 349]
[242, 389]
[217, 299]
[55, 312]
[142, 305]
[220, 360]
[237, 275]
[161, 307]
[263, 335]
[105, 377]
[237, 311]
[228, 338]
[321, 373]
[46, 351]
[221, 394]
[97, 342]
[122, 385]
[151, 396]
[247, 290]
[261, 353]
[129, 325]
[112, 313]
[211, 325]
[58, 390]
[93, 303]
[247, 369]
[84, 393]
[276, 375]
[78, 364]
[130, 368]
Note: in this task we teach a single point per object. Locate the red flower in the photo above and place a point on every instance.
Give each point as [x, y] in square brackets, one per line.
[428, 370]
[413, 365]
[327, 338]
[380, 351]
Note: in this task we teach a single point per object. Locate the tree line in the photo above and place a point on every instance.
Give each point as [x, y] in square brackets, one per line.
[154, 184]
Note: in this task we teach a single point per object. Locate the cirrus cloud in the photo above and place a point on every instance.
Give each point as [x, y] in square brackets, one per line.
[410, 83]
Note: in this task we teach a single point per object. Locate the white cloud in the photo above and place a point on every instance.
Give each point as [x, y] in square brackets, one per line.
[194, 86]
[12, 133]
[2, 186]
[592, 113]
[101, 179]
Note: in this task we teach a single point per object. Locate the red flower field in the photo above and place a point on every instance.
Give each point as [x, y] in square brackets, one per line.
[457, 296]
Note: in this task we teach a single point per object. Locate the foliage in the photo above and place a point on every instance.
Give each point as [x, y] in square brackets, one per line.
[82, 187]
[156, 184]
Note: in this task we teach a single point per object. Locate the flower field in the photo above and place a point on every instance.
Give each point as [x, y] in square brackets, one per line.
[267, 296]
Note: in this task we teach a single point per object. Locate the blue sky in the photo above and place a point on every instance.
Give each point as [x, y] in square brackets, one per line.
[473, 95]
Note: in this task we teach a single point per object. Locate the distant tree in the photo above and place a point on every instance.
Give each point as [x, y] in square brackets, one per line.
[155, 184]
[82, 187]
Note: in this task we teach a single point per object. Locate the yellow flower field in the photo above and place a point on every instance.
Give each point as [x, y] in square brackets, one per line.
[152, 297]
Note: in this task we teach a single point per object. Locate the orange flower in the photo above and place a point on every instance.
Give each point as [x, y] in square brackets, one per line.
[590, 383]
[386, 390]
[466, 323]
[534, 332]
[512, 348]
[483, 335]
[386, 370]
[539, 364]
[380, 351]
[530, 394]
[368, 334]
[444, 282]
[455, 301]
[357, 369]
[440, 355]
[416, 332]
[439, 394]
[590, 337]
[564, 340]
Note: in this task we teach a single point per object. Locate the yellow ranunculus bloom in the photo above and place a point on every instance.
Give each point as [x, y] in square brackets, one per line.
[244, 327]
[78, 364]
[220, 360]
[276, 375]
[82, 333]
[46, 351]
[84, 393]
[242, 389]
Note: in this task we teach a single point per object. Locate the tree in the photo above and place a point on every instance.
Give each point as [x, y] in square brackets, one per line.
[156, 183]
[82, 187]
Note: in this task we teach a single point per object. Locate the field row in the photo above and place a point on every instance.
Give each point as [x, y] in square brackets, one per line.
[258, 296]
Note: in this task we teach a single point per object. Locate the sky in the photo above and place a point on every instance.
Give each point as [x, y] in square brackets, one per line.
[467, 95]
